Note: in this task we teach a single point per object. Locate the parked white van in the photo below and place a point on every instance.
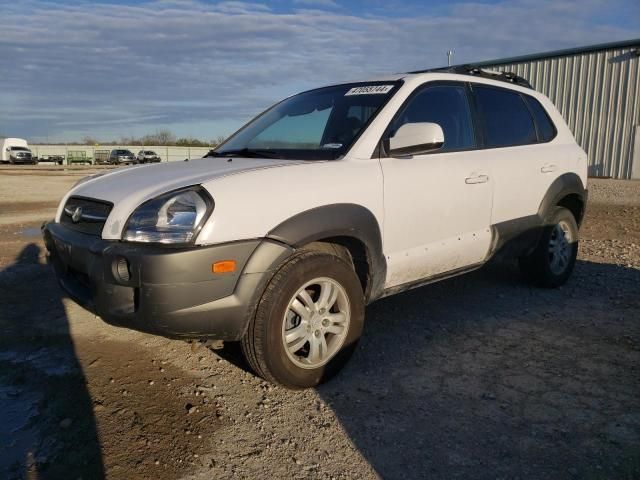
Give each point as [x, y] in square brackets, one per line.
[15, 150]
[326, 202]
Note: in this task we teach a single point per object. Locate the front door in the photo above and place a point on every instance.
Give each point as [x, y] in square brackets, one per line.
[437, 205]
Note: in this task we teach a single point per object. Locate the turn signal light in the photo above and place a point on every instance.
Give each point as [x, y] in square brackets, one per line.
[224, 266]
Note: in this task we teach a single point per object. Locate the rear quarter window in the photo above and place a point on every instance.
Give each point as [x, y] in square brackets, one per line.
[506, 118]
[546, 129]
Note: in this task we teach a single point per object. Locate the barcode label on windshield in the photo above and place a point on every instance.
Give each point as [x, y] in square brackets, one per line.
[369, 90]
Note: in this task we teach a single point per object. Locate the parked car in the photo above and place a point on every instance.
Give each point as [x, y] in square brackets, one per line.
[148, 156]
[328, 201]
[15, 150]
[120, 156]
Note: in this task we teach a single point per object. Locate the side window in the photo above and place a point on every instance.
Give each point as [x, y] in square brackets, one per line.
[507, 120]
[546, 129]
[446, 105]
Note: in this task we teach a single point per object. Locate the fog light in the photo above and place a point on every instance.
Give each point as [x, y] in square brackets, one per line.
[121, 269]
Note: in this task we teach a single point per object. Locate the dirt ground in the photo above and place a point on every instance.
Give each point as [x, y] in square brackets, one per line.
[480, 376]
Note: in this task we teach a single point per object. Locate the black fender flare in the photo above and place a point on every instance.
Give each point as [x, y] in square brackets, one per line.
[565, 184]
[520, 236]
[339, 220]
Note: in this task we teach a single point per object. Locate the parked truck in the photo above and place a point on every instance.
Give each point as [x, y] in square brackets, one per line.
[15, 150]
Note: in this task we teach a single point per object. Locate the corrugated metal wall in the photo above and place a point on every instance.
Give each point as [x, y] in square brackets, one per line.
[598, 93]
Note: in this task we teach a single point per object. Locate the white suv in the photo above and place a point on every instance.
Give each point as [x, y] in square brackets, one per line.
[325, 202]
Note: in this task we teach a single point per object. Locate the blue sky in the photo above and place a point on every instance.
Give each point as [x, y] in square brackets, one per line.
[202, 68]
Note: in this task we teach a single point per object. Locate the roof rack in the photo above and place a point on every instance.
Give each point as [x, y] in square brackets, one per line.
[509, 77]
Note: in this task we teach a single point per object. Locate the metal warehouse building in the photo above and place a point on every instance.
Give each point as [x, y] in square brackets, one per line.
[597, 90]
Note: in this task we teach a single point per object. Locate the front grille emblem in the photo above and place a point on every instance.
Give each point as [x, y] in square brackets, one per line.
[76, 216]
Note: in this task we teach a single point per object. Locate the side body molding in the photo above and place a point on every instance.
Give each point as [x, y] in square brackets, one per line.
[340, 220]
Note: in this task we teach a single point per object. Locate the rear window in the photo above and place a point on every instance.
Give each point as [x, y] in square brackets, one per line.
[506, 118]
[546, 129]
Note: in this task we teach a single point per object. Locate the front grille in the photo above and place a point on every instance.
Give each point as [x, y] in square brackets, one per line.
[86, 215]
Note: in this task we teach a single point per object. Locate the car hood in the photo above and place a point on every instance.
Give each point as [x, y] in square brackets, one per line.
[126, 188]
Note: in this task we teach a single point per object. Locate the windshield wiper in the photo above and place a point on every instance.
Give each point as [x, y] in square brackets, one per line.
[244, 152]
[212, 153]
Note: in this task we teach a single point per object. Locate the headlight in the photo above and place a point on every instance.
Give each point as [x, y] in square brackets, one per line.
[175, 217]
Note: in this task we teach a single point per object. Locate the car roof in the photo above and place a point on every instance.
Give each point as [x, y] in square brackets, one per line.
[464, 73]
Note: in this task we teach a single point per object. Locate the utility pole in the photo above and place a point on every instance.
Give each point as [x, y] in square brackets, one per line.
[449, 55]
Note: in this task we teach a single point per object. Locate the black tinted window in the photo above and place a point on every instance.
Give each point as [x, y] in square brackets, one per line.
[507, 120]
[445, 105]
[546, 130]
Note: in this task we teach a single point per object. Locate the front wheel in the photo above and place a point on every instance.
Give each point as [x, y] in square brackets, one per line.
[551, 263]
[308, 321]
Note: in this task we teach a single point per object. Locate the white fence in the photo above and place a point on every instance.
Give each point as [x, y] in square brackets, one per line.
[167, 154]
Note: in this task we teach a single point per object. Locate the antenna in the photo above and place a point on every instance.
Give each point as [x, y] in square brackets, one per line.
[449, 55]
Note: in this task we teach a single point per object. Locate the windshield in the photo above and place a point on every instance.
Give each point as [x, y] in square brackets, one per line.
[23, 149]
[316, 125]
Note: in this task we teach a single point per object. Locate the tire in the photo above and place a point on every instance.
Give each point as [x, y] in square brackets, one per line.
[551, 263]
[263, 345]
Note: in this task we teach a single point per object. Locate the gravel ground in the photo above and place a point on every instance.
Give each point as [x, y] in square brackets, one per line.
[480, 376]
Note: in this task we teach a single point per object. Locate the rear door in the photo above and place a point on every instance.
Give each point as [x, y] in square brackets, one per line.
[437, 206]
[522, 161]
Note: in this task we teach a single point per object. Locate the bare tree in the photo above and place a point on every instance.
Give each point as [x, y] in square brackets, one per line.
[165, 137]
[218, 140]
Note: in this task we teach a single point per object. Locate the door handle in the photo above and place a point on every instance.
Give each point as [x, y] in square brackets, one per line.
[477, 179]
[548, 168]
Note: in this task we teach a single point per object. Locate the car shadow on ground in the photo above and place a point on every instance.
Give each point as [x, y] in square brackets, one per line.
[46, 412]
[483, 376]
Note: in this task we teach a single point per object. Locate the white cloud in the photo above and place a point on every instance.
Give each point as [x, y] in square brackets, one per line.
[110, 69]
[317, 3]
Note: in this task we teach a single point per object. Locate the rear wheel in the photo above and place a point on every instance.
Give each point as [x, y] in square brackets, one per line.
[551, 263]
[308, 321]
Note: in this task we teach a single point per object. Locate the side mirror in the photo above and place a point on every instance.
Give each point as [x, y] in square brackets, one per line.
[416, 138]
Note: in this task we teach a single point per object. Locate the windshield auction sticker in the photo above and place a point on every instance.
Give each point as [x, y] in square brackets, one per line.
[369, 90]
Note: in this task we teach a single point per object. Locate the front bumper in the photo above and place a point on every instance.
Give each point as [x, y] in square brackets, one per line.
[171, 291]
[23, 160]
